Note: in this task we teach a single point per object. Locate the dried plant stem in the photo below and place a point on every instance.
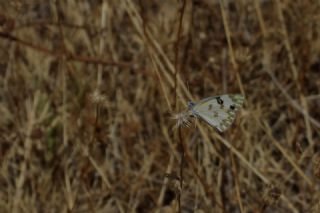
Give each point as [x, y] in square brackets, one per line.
[230, 47]
[102, 40]
[236, 180]
[164, 186]
[103, 176]
[253, 169]
[294, 71]
[293, 103]
[63, 70]
[81, 131]
[182, 159]
[260, 17]
[177, 69]
[157, 51]
[285, 154]
[31, 119]
[176, 88]
[64, 102]
[192, 163]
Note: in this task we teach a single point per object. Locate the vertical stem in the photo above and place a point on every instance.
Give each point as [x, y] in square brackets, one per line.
[177, 53]
[64, 101]
[182, 159]
[175, 100]
[102, 41]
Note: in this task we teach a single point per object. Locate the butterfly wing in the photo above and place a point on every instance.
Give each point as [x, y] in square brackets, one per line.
[219, 111]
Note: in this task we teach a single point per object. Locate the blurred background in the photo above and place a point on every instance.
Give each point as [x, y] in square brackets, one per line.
[89, 90]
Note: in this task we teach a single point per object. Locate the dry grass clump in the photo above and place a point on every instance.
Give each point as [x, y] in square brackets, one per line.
[89, 88]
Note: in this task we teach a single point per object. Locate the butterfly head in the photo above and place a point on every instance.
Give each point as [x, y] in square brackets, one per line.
[191, 105]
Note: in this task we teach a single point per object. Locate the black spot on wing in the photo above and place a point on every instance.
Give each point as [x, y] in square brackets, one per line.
[219, 100]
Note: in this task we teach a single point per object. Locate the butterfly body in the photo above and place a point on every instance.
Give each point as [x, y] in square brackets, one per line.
[218, 111]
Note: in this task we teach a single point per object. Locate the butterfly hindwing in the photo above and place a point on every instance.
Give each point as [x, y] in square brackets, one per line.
[219, 111]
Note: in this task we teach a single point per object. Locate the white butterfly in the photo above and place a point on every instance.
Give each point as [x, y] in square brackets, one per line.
[218, 111]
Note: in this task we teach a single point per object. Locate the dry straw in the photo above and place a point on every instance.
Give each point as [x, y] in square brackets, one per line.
[88, 89]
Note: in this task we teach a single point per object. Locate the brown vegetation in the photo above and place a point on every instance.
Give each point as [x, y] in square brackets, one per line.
[89, 88]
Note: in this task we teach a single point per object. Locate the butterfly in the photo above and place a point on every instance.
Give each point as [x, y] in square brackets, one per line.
[218, 111]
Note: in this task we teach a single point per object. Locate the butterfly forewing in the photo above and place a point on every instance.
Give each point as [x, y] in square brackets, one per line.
[219, 111]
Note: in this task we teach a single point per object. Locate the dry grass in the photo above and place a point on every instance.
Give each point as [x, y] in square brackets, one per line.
[88, 90]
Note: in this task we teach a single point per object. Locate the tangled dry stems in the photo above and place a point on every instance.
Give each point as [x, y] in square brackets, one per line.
[87, 91]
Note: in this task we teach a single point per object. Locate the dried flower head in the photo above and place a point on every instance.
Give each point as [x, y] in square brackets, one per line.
[182, 119]
[98, 98]
[243, 55]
